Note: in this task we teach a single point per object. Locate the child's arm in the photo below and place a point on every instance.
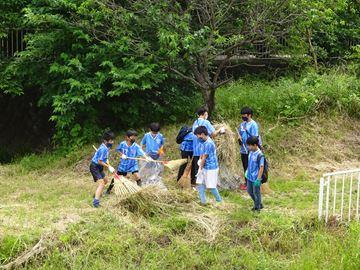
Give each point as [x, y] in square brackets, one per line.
[107, 165]
[143, 142]
[141, 153]
[102, 163]
[202, 161]
[261, 170]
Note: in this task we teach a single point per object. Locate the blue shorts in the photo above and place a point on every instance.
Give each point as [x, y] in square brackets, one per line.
[97, 171]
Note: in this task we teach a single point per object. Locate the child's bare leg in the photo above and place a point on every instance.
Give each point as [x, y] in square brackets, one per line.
[100, 188]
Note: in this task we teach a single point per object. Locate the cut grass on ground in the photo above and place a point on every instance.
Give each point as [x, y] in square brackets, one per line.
[173, 231]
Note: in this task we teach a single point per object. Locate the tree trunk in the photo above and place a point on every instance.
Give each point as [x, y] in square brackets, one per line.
[209, 99]
[312, 50]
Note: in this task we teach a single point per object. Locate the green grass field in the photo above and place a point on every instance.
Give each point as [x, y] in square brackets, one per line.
[49, 197]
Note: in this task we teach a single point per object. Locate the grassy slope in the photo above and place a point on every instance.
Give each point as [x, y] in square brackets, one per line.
[173, 231]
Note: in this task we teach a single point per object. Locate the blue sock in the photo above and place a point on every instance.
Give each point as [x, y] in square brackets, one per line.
[96, 202]
[201, 190]
[216, 193]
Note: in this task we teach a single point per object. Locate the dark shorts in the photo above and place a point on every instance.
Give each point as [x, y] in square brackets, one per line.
[97, 171]
[125, 173]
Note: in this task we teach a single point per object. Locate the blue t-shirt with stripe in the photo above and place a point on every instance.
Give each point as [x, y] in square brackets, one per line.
[208, 148]
[153, 143]
[255, 161]
[187, 144]
[134, 150]
[247, 130]
[101, 154]
[196, 143]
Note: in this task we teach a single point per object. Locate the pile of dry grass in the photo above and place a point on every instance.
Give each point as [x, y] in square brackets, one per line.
[151, 201]
[229, 157]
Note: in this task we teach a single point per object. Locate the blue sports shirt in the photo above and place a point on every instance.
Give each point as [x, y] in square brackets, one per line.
[208, 148]
[196, 142]
[101, 154]
[134, 150]
[254, 164]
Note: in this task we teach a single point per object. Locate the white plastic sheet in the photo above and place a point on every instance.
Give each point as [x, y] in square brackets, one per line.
[150, 173]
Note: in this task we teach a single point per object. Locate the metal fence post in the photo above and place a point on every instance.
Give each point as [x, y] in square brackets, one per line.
[321, 197]
[350, 195]
[327, 199]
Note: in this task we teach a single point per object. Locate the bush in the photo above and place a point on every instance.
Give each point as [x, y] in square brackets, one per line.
[288, 98]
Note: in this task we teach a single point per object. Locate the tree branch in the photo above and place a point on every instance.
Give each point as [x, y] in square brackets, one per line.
[192, 80]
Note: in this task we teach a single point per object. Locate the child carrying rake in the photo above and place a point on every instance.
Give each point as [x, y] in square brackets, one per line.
[129, 149]
[98, 162]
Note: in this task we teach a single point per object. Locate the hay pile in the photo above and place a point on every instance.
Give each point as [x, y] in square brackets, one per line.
[229, 157]
[152, 201]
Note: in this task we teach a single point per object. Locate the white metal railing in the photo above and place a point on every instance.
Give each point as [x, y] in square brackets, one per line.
[347, 194]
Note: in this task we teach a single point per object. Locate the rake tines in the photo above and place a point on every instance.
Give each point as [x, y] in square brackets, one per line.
[123, 186]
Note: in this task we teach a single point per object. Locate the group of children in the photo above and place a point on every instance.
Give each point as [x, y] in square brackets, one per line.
[129, 150]
[196, 144]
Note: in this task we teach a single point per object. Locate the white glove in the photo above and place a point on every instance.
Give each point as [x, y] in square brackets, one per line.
[148, 159]
[198, 173]
[199, 162]
[222, 130]
[123, 156]
[111, 169]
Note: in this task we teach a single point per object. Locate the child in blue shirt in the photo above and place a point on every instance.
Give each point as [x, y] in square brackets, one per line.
[255, 171]
[153, 142]
[98, 162]
[129, 149]
[208, 165]
[201, 121]
[247, 129]
[186, 149]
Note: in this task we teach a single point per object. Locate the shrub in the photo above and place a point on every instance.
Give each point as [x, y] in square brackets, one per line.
[288, 98]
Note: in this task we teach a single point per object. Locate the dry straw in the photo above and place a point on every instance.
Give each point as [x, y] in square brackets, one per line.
[185, 181]
[229, 157]
[124, 187]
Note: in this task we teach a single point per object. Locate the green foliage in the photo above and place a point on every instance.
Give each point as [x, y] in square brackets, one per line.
[83, 62]
[290, 99]
[105, 64]
[9, 15]
[355, 60]
[334, 26]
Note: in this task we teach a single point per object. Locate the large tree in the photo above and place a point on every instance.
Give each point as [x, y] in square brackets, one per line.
[199, 39]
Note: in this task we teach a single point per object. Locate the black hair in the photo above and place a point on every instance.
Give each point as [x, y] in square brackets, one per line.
[247, 110]
[108, 135]
[253, 140]
[201, 130]
[201, 111]
[155, 127]
[130, 133]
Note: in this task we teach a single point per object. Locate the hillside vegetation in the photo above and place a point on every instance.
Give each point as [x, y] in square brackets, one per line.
[310, 126]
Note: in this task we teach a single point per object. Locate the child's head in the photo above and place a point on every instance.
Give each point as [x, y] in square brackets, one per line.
[154, 128]
[108, 138]
[203, 113]
[131, 136]
[201, 132]
[246, 113]
[253, 143]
